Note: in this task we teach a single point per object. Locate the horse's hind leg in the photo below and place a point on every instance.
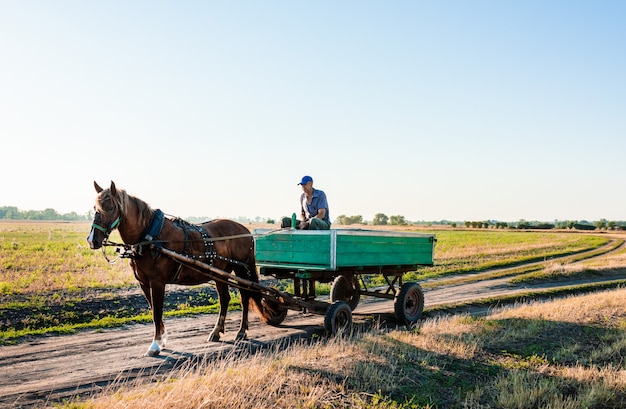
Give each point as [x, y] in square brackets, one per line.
[245, 304]
[224, 299]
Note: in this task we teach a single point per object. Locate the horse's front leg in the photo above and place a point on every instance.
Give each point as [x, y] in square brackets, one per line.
[155, 294]
[223, 297]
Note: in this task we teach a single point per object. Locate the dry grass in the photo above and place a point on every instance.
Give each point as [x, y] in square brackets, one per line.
[616, 259]
[609, 265]
[566, 353]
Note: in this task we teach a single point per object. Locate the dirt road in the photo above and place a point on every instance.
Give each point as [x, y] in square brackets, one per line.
[46, 370]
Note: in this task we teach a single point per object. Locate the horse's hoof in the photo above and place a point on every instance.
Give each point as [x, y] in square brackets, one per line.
[163, 340]
[241, 336]
[154, 349]
[213, 338]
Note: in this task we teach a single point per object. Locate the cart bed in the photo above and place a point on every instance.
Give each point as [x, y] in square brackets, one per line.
[339, 249]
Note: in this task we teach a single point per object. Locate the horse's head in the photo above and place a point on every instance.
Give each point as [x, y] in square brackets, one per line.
[108, 215]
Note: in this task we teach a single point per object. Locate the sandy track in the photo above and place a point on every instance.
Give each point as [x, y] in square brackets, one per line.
[46, 370]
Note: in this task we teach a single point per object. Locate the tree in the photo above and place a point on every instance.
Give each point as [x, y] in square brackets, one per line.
[380, 219]
[397, 220]
[584, 226]
[343, 219]
[9, 212]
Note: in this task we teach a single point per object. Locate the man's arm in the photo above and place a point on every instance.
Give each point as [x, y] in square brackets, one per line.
[321, 213]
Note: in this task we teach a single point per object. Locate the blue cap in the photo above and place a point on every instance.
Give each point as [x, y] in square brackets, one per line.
[305, 180]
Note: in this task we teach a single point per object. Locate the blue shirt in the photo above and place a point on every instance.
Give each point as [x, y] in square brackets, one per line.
[317, 202]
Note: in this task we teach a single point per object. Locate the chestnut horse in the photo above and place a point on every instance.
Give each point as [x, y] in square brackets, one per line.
[223, 244]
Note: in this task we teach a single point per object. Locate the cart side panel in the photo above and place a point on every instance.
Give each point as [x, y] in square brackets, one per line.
[333, 249]
[384, 249]
[296, 249]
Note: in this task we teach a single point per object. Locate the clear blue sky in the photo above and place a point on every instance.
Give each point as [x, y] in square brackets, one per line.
[458, 110]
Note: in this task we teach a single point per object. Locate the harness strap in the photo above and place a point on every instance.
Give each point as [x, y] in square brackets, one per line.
[151, 234]
[156, 225]
[210, 253]
[209, 247]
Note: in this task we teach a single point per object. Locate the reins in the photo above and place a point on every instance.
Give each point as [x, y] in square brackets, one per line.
[152, 241]
[129, 250]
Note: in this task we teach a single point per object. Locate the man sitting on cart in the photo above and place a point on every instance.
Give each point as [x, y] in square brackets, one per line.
[313, 208]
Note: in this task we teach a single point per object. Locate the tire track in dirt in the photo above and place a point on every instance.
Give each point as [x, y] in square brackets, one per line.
[42, 371]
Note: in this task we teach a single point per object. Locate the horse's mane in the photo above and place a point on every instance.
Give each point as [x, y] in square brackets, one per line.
[123, 202]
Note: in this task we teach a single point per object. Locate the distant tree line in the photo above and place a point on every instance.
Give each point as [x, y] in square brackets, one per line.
[380, 219]
[601, 224]
[13, 213]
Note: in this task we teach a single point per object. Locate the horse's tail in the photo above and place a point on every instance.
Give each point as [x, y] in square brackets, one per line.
[263, 309]
[256, 302]
[266, 311]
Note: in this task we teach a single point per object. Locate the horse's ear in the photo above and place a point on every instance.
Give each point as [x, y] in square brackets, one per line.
[113, 189]
[97, 186]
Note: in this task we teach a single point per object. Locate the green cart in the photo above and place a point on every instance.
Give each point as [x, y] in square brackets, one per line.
[340, 256]
[343, 257]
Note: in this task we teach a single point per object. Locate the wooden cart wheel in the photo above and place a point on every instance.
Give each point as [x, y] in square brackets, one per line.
[277, 312]
[409, 303]
[338, 318]
[346, 289]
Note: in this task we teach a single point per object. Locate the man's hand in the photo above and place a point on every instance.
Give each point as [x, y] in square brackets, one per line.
[304, 225]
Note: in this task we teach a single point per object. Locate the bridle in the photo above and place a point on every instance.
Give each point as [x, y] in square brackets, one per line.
[97, 224]
[106, 230]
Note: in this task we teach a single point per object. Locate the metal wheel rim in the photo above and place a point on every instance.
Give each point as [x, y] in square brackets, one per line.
[411, 305]
[341, 320]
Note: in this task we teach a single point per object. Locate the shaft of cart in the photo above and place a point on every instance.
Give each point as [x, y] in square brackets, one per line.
[269, 293]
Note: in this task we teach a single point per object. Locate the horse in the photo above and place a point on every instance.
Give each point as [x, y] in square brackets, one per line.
[223, 244]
